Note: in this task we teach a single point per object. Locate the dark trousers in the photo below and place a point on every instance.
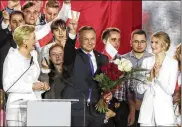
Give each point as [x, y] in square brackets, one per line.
[136, 124]
[77, 119]
[121, 118]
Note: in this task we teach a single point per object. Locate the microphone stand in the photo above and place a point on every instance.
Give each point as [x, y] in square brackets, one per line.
[84, 102]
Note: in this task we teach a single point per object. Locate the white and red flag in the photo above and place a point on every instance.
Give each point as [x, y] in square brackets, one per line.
[110, 51]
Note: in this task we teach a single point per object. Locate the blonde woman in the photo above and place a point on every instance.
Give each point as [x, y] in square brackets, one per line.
[157, 105]
[20, 74]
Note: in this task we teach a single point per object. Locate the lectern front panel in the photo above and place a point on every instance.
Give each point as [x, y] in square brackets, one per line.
[43, 113]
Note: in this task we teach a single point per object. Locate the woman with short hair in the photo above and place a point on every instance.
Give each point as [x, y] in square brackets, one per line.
[20, 74]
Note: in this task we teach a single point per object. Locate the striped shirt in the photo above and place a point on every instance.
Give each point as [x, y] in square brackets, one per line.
[136, 64]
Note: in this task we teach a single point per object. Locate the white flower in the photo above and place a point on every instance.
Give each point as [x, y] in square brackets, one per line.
[117, 61]
[123, 60]
[120, 67]
[123, 64]
[127, 66]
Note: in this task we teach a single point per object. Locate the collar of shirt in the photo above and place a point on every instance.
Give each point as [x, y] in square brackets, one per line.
[91, 52]
[146, 54]
[94, 62]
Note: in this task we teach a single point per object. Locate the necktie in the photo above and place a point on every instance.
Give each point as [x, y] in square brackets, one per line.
[92, 69]
[91, 64]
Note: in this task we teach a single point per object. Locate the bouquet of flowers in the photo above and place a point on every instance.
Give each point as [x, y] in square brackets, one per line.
[112, 76]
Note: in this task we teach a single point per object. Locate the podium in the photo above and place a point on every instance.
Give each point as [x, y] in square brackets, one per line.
[47, 112]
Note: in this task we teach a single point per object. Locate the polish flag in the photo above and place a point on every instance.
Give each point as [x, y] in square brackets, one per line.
[43, 34]
[110, 51]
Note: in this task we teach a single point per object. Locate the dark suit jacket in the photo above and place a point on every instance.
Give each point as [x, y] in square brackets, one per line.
[6, 41]
[78, 70]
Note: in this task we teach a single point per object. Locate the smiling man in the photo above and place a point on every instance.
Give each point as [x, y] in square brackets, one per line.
[81, 65]
[125, 112]
[136, 56]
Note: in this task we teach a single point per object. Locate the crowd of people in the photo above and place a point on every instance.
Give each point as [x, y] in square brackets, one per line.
[55, 69]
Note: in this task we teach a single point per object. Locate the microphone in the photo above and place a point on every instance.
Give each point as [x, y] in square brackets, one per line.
[31, 62]
[84, 102]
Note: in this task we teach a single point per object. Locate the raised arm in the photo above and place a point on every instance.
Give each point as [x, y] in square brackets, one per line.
[69, 49]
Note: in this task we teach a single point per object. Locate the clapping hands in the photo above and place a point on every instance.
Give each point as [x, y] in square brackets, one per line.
[40, 86]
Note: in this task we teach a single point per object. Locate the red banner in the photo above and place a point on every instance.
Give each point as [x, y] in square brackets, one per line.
[125, 15]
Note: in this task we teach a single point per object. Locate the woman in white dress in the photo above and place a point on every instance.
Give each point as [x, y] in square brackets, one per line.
[20, 74]
[157, 105]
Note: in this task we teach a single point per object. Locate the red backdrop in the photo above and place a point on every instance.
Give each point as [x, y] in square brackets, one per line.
[125, 15]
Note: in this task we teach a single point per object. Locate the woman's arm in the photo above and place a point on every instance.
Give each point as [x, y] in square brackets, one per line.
[10, 76]
[168, 84]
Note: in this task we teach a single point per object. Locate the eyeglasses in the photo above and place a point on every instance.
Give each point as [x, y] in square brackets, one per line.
[137, 42]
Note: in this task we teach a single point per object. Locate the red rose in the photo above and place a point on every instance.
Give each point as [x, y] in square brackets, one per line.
[104, 69]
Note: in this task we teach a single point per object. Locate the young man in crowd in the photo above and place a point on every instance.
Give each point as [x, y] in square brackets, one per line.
[31, 13]
[51, 10]
[136, 57]
[60, 36]
[125, 111]
[13, 5]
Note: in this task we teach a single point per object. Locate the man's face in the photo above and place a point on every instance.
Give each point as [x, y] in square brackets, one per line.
[51, 13]
[16, 20]
[31, 15]
[56, 55]
[87, 40]
[114, 39]
[139, 43]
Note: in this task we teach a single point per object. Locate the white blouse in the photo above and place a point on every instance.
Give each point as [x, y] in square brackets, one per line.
[14, 66]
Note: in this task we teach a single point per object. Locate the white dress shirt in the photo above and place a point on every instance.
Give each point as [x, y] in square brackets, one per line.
[94, 62]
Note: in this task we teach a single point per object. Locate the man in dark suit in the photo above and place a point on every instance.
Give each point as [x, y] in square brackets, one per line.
[81, 66]
[6, 39]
